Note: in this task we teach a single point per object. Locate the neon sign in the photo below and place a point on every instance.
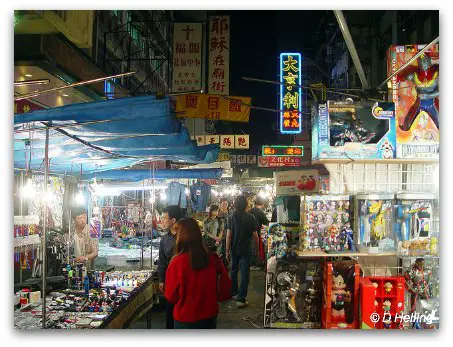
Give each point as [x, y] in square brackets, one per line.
[290, 93]
[278, 151]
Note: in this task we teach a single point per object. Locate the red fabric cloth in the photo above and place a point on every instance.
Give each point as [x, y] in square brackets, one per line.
[261, 249]
[195, 292]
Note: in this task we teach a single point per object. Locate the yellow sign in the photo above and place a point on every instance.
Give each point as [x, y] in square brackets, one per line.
[214, 107]
[223, 156]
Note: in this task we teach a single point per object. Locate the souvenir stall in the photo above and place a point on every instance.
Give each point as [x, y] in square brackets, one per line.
[94, 137]
[128, 199]
[368, 252]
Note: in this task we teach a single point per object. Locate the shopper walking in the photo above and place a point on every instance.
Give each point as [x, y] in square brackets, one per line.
[213, 228]
[170, 215]
[260, 216]
[241, 227]
[196, 280]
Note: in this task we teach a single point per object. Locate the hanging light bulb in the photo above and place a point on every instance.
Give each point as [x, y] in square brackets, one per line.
[80, 199]
[187, 191]
[48, 197]
[163, 196]
[28, 190]
[152, 199]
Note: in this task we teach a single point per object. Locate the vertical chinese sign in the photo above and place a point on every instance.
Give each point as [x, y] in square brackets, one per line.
[187, 57]
[219, 55]
[290, 93]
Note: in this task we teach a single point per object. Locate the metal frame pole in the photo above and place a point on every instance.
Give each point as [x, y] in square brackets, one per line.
[352, 50]
[44, 230]
[21, 199]
[152, 213]
[143, 224]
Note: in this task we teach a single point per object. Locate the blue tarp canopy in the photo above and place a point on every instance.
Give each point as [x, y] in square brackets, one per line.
[140, 175]
[105, 135]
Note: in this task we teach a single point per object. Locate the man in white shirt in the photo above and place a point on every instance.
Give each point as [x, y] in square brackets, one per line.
[85, 247]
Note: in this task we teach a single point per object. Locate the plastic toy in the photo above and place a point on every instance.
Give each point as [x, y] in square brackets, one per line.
[386, 305]
[388, 287]
[339, 297]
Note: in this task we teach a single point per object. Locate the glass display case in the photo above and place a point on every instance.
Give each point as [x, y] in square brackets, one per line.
[374, 222]
[327, 221]
[417, 224]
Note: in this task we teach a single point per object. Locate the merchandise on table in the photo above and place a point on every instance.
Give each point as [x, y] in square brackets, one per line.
[416, 224]
[374, 223]
[82, 309]
[327, 223]
[344, 130]
[415, 92]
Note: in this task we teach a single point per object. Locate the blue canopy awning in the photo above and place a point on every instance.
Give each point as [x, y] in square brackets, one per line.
[140, 175]
[106, 135]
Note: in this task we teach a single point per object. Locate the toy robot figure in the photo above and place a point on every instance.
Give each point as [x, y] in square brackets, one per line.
[351, 130]
[339, 297]
[286, 298]
[418, 280]
[425, 78]
[311, 299]
[387, 150]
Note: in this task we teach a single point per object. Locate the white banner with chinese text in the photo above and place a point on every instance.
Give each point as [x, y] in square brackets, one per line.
[219, 55]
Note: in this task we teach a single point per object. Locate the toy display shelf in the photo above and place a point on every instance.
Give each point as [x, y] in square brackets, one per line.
[395, 297]
[375, 161]
[314, 254]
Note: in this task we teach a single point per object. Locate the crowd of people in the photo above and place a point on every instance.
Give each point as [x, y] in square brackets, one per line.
[194, 258]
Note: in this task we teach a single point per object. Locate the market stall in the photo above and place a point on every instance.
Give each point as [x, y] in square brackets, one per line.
[62, 145]
[367, 254]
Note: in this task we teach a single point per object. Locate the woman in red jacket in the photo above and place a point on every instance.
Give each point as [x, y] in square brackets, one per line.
[195, 280]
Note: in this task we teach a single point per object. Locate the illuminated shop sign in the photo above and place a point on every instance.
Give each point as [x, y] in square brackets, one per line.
[290, 151]
[290, 93]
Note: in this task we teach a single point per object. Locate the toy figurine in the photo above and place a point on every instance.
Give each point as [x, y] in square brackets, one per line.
[388, 287]
[387, 322]
[340, 205]
[376, 304]
[375, 285]
[339, 297]
[318, 206]
[418, 280]
[433, 250]
[386, 305]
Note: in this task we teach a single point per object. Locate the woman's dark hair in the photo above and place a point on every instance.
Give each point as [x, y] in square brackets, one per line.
[240, 203]
[188, 240]
[212, 209]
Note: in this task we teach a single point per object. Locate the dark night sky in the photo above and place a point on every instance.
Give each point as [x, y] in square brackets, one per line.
[257, 39]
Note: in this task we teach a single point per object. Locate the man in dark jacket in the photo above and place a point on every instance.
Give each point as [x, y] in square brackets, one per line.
[261, 218]
[241, 227]
[170, 215]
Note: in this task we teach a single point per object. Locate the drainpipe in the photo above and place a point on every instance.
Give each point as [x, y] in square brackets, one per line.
[350, 43]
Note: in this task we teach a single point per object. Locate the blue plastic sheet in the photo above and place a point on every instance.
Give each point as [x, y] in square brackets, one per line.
[133, 130]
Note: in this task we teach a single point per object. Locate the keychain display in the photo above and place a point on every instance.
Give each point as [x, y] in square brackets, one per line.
[327, 224]
[374, 222]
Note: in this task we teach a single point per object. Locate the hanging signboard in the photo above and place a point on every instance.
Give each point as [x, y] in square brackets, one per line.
[24, 106]
[233, 159]
[251, 159]
[290, 93]
[296, 182]
[212, 139]
[241, 142]
[291, 151]
[233, 109]
[219, 55]
[187, 57]
[281, 161]
[415, 92]
[223, 156]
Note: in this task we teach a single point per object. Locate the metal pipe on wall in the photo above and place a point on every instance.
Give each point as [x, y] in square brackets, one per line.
[44, 230]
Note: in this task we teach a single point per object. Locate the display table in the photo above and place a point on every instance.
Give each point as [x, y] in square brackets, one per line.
[69, 309]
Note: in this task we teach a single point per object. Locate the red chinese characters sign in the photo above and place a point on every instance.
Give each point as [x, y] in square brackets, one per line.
[290, 93]
[274, 161]
[219, 55]
[213, 107]
[24, 106]
[187, 57]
